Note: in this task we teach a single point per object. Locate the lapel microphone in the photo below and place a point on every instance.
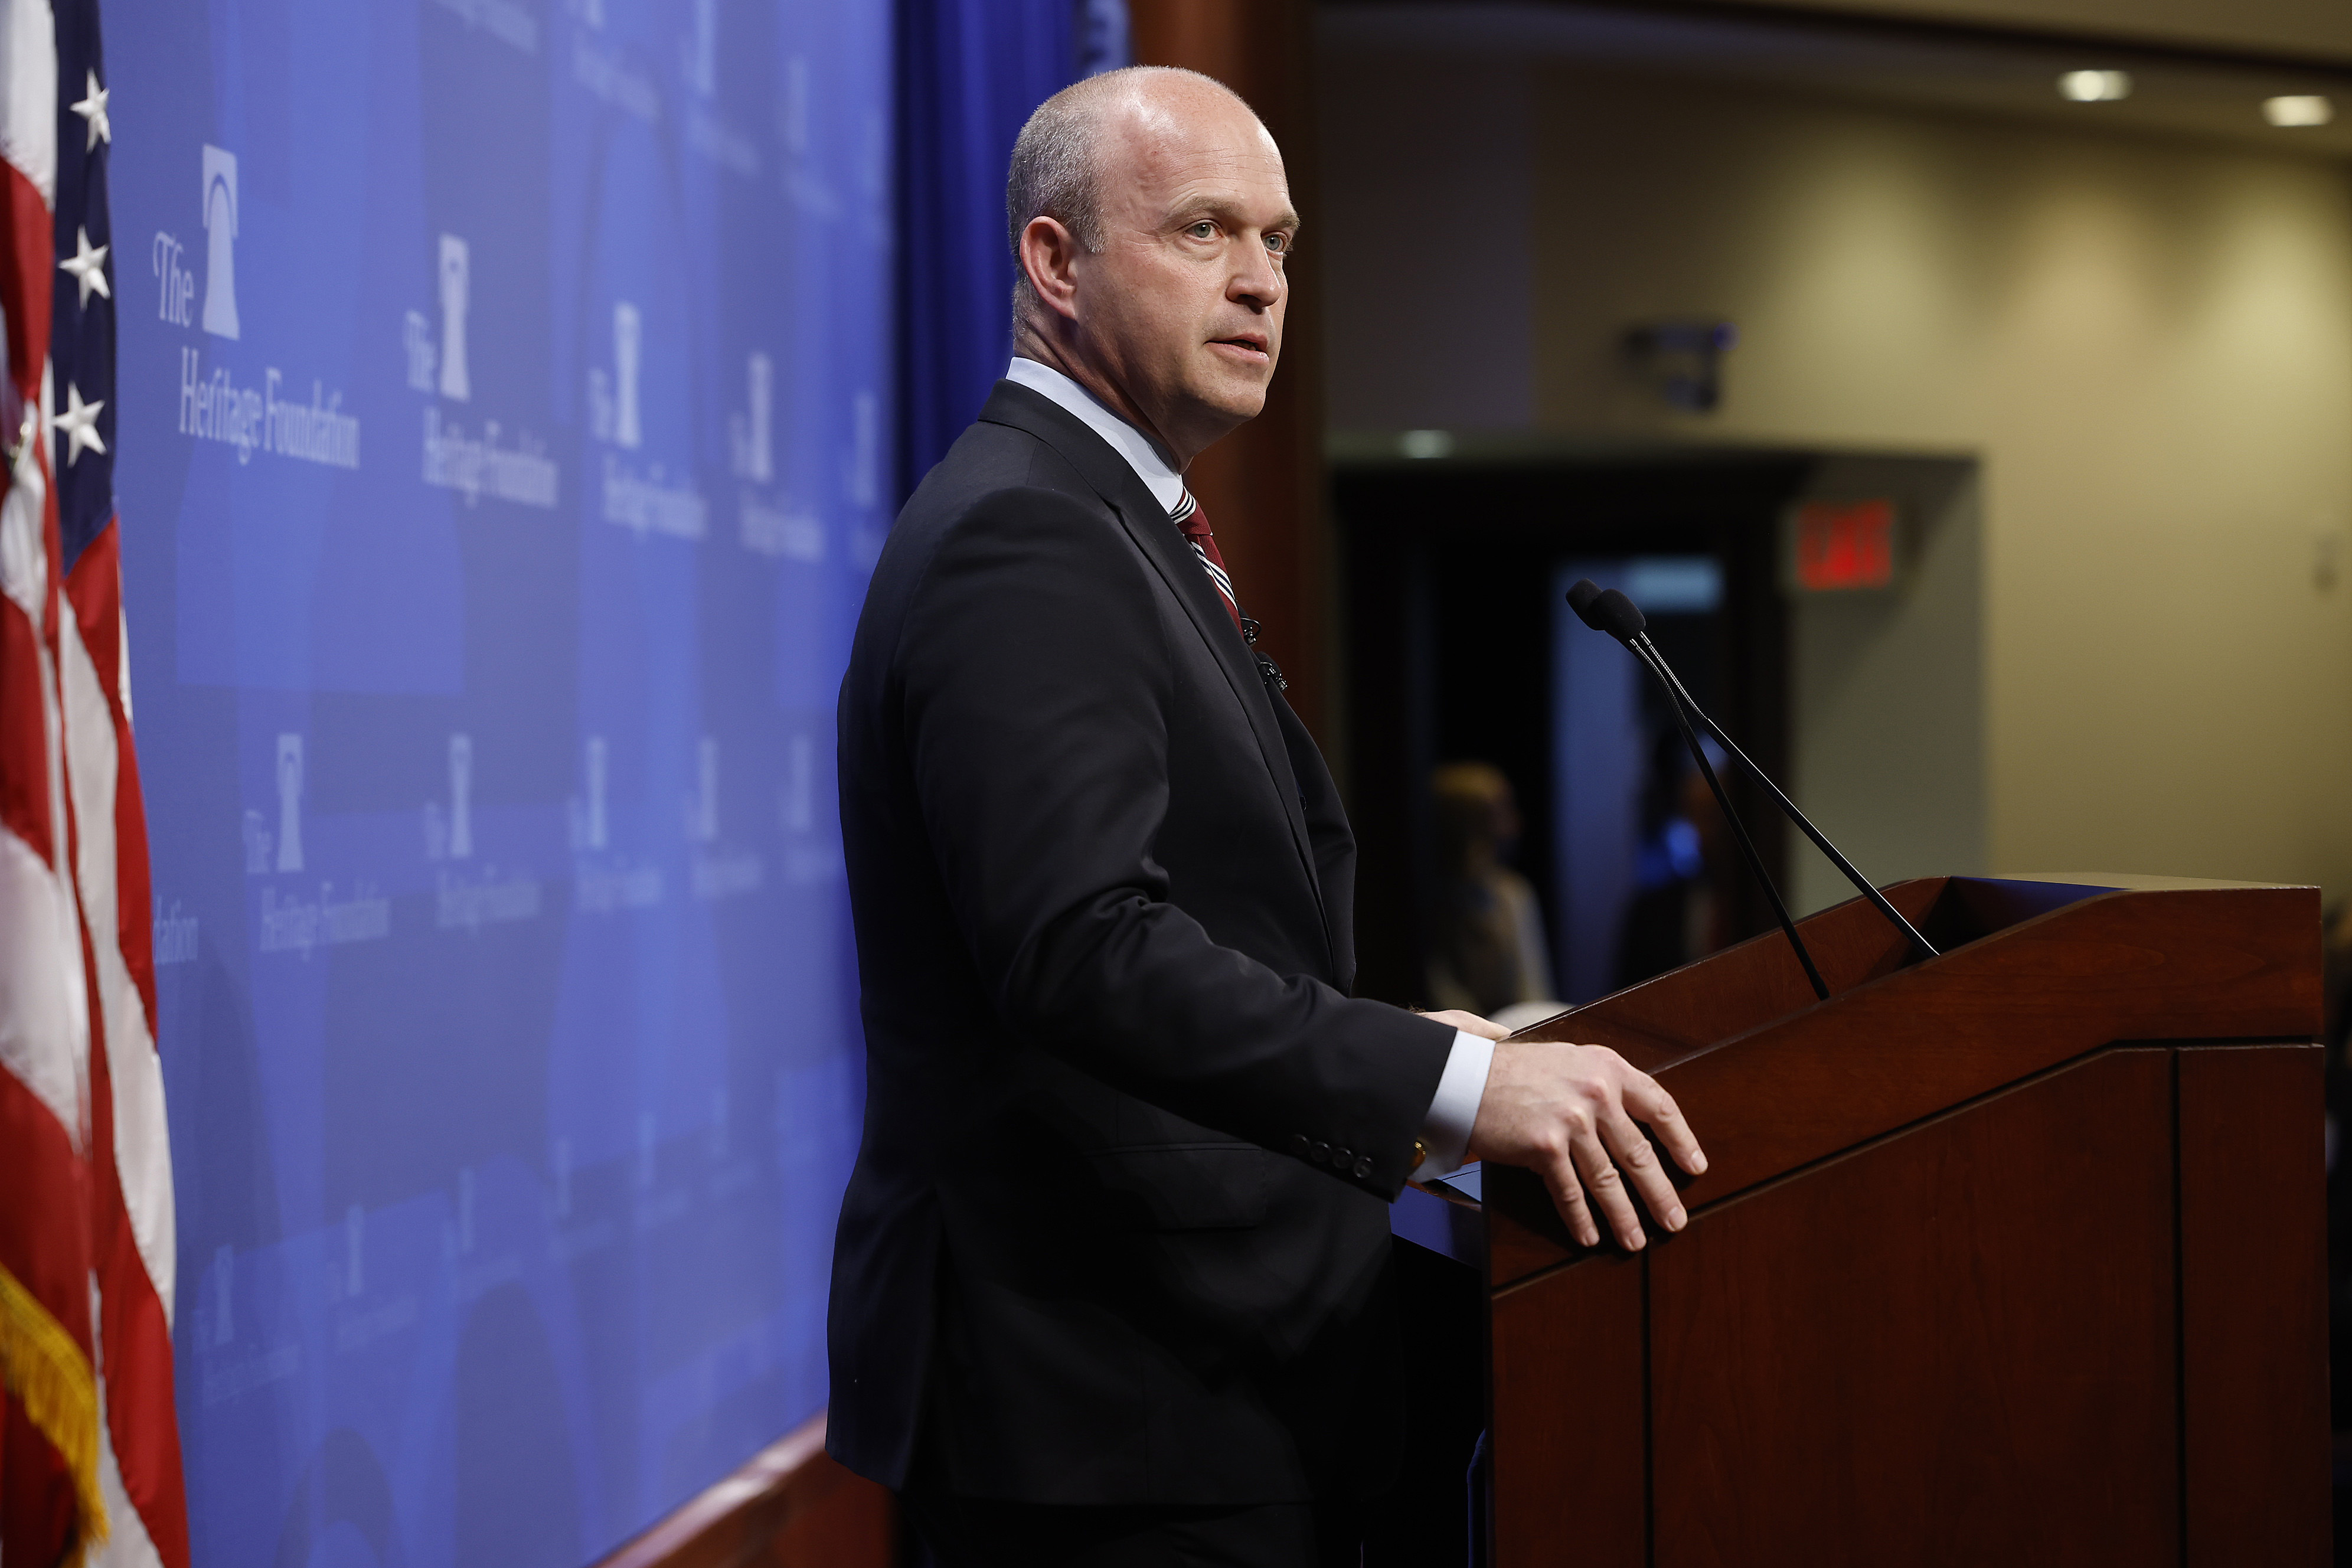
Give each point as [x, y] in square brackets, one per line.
[1610, 611]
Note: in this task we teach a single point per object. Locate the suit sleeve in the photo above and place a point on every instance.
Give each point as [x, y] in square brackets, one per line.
[1034, 675]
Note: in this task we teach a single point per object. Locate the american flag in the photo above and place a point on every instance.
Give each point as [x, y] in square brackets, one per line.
[89, 1445]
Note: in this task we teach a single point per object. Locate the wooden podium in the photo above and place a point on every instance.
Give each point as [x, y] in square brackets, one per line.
[2014, 1255]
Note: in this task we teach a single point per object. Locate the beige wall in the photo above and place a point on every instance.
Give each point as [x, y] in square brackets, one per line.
[1398, 135]
[2146, 345]
[1887, 690]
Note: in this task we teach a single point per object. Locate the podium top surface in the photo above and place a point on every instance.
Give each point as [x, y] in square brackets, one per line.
[2034, 972]
[2128, 881]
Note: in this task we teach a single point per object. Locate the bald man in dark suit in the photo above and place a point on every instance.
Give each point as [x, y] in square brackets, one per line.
[1111, 1283]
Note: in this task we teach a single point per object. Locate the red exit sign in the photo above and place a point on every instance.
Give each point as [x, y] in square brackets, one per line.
[1844, 544]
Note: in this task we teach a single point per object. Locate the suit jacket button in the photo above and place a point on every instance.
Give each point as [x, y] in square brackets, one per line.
[1298, 1144]
[1342, 1158]
[1320, 1153]
[1363, 1167]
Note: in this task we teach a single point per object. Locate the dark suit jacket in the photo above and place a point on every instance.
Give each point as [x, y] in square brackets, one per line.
[1117, 1231]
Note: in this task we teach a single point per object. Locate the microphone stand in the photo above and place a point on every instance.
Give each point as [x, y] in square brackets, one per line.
[1674, 699]
[1681, 700]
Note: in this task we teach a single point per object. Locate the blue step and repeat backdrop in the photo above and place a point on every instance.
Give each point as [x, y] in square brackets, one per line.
[503, 448]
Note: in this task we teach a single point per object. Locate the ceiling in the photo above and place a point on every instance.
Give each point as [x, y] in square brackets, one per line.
[2174, 92]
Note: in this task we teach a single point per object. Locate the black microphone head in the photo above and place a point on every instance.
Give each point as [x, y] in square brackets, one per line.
[1580, 599]
[1615, 614]
[1605, 610]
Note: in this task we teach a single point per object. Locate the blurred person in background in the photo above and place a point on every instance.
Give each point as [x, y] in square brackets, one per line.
[1678, 911]
[1489, 950]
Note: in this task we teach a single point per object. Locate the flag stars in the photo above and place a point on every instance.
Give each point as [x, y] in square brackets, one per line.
[79, 421]
[92, 109]
[88, 266]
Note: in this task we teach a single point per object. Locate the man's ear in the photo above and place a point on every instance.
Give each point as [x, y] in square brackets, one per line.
[1049, 254]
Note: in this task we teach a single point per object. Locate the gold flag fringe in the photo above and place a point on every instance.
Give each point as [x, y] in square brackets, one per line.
[50, 1377]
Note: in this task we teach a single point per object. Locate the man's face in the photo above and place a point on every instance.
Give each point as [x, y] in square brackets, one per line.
[1183, 306]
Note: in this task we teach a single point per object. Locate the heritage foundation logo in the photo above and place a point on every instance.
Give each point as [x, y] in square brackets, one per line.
[765, 526]
[809, 855]
[220, 225]
[643, 503]
[296, 923]
[720, 870]
[799, 787]
[628, 339]
[702, 805]
[457, 283]
[212, 405]
[472, 465]
[174, 933]
[461, 797]
[468, 900]
[289, 802]
[596, 833]
[707, 133]
[604, 882]
[748, 431]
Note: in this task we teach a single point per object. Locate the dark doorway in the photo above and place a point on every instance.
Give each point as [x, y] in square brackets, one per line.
[1450, 575]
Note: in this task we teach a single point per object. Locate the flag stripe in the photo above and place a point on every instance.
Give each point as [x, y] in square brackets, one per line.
[37, 1016]
[42, 1175]
[140, 1167]
[26, 262]
[94, 589]
[28, 114]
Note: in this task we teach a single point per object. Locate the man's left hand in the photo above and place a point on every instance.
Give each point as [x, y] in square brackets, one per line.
[1454, 1018]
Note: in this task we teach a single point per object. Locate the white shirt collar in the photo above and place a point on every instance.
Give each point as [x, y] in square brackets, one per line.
[1142, 454]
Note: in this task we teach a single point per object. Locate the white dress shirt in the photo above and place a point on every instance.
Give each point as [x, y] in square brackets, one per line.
[1446, 1129]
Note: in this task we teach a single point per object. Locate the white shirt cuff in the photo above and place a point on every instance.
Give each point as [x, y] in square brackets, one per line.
[1453, 1111]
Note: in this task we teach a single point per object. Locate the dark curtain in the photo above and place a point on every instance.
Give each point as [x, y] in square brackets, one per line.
[969, 72]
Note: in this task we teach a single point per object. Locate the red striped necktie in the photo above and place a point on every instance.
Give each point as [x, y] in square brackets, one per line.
[1190, 521]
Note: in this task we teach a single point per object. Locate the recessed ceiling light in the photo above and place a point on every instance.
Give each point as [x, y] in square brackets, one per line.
[2095, 87]
[2298, 108]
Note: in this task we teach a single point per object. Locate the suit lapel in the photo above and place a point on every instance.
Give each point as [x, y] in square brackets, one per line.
[1162, 545]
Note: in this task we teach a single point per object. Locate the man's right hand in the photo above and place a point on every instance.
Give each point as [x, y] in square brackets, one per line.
[1570, 1114]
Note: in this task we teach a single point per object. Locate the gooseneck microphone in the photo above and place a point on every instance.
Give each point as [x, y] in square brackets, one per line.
[1612, 612]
